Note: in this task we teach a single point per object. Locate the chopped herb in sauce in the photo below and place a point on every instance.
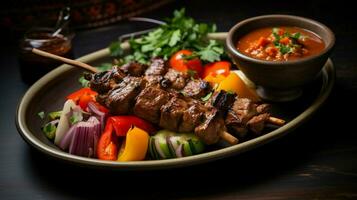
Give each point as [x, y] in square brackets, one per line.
[280, 43]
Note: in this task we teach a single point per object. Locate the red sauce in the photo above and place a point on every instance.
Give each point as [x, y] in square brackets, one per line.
[280, 44]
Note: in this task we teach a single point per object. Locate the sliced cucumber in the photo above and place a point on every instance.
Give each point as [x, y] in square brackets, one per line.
[167, 144]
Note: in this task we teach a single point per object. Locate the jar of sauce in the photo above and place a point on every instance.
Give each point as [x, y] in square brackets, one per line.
[32, 66]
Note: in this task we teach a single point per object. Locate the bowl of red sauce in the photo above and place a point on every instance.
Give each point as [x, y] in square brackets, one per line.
[280, 53]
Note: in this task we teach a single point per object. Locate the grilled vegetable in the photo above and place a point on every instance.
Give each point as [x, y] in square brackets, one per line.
[233, 83]
[64, 123]
[82, 97]
[122, 124]
[81, 139]
[107, 148]
[135, 145]
[167, 144]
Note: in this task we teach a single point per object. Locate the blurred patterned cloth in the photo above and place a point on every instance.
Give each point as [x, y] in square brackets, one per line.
[19, 15]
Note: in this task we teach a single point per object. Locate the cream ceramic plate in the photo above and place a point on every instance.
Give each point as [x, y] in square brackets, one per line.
[48, 94]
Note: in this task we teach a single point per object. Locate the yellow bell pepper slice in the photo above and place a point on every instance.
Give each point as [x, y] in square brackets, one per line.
[233, 83]
[136, 145]
[213, 80]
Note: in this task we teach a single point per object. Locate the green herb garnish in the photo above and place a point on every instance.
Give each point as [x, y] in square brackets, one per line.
[41, 114]
[104, 67]
[50, 130]
[115, 49]
[207, 97]
[286, 48]
[54, 115]
[230, 92]
[179, 32]
[74, 119]
[84, 82]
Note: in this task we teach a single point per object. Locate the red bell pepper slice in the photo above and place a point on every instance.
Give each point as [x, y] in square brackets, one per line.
[83, 96]
[122, 124]
[100, 107]
[107, 148]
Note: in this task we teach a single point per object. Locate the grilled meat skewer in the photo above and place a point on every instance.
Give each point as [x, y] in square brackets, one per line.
[115, 83]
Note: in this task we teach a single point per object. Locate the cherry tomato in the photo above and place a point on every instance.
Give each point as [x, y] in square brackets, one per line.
[216, 68]
[180, 64]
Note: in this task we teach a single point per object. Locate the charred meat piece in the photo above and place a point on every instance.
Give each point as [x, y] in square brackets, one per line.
[134, 68]
[153, 79]
[222, 100]
[210, 129]
[257, 123]
[246, 115]
[121, 98]
[177, 79]
[196, 88]
[263, 108]
[156, 70]
[172, 112]
[102, 82]
[192, 117]
[242, 111]
[149, 102]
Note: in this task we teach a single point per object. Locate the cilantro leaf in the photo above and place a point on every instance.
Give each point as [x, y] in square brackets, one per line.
[212, 52]
[50, 130]
[207, 97]
[115, 49]
[104, 67]
[175, 37]
[284, 49]
[179, 32]
[84, 82]
[41, 114]
[296, 35]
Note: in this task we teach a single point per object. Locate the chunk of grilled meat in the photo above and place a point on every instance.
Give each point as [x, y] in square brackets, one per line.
[257, 123]
[134, 68]
[192, 116]
[222, 100]
[149, 102]
[172, 112]
[121, 98]
[175, 79]
[197, 88]
[245, 115]
[209, 131]
[102, 82]
[157, 68]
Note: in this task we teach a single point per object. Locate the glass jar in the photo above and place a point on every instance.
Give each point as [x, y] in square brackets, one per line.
[32, 66]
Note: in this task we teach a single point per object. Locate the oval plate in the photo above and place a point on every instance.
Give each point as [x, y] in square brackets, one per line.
[48, 94]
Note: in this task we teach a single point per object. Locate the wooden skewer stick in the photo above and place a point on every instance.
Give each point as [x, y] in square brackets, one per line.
[224, 135]
[229, 138]
[276, 121]
[65, 60]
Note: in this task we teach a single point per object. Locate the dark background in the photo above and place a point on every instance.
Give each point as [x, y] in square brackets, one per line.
[317, 161]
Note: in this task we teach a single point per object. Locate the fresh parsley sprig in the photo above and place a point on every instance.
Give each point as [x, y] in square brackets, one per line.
[179, 32]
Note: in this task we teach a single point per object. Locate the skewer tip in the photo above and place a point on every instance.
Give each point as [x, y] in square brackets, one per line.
[229, 138]
[276, 121]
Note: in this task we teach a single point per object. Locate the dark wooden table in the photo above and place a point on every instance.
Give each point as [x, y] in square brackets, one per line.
[316, 161]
